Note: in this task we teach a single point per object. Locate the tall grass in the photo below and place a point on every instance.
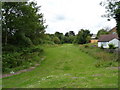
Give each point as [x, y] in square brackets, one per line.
[103, 58]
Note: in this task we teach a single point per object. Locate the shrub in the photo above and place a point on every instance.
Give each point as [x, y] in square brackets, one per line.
[9, 48]
[36, 50]
[104, 58]
[111, 46]
[102, 46]
[21, 59]
[56, 40]
[105, 64]
[86, 46]
[11, 61]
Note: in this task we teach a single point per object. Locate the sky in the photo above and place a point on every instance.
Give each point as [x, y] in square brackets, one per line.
[73, 15]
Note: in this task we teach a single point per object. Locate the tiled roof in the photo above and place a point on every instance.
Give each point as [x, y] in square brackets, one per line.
[106, 38]
[113, 29]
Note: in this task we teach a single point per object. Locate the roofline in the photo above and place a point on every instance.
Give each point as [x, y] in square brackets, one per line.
[109, 40]
[112, 28]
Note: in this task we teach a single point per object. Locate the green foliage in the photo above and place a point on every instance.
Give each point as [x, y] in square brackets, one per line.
[48, 39]
[113, 10]
[86, 46]
[83, 37]
[104, 59]
[56, 40]
[66, 67]
[69, 37]
[102, 32]
[70, 33]
[22, 28]
[102, 46]
[60, 37]
[9, 48]
[118, 24]
[88, 38]
[21, 58]
[99, 64]
[21, 23]
[111, 46]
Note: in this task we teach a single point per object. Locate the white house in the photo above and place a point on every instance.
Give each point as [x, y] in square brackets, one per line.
[105, 40]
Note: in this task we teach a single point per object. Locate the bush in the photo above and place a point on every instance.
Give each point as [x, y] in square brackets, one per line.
[49, 42]
[56, 40]
[86, 46]
[102, 46]
[102, 56]
[21, 59]
[11, 60]
[105, 64]
[9, 48]
[36, 50]
[111, 46]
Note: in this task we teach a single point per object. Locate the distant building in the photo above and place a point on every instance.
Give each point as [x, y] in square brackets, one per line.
[94, 36]
[113, 31]
[93, 39]
[105, 40]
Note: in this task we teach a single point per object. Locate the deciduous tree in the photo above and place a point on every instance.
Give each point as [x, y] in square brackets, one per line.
[113, 11]
[22, 24]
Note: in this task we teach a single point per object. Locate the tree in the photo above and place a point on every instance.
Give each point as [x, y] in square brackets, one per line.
[60, 36]
[82, 36]
[56, 40]
[102, 32]
[22, 24]
[70, 33]
[67, 34]
[113, 11]
[69, 37]
[88, 38]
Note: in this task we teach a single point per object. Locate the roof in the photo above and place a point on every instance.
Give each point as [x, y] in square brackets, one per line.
[108, 37]
[113, 30]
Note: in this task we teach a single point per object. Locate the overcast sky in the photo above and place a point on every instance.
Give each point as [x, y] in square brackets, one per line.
[67, 15]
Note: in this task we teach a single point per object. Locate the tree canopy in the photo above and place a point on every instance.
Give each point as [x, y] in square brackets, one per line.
[113, 11]
[83, 37]
[21, 23]
[102, 32]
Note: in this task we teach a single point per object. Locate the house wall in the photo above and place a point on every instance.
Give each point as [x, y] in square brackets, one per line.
[119, 43]
[99, 44]
[93, 41]
[105, 44]
[115, 41]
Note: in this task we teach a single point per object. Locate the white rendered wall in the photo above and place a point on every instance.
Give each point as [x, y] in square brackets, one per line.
[115, 41]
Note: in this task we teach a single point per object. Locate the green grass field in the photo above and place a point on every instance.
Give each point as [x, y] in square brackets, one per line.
[65, 66]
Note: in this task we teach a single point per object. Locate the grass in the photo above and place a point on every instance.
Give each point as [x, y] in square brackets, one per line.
[104, 58]
[65, 66]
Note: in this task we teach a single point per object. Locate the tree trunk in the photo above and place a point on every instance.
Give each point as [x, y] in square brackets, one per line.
[118, 24]
[6, 38]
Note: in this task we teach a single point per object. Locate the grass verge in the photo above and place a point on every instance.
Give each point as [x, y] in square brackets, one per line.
[104, 59]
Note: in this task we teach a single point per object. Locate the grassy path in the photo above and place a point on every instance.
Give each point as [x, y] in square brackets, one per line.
[65, 66]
